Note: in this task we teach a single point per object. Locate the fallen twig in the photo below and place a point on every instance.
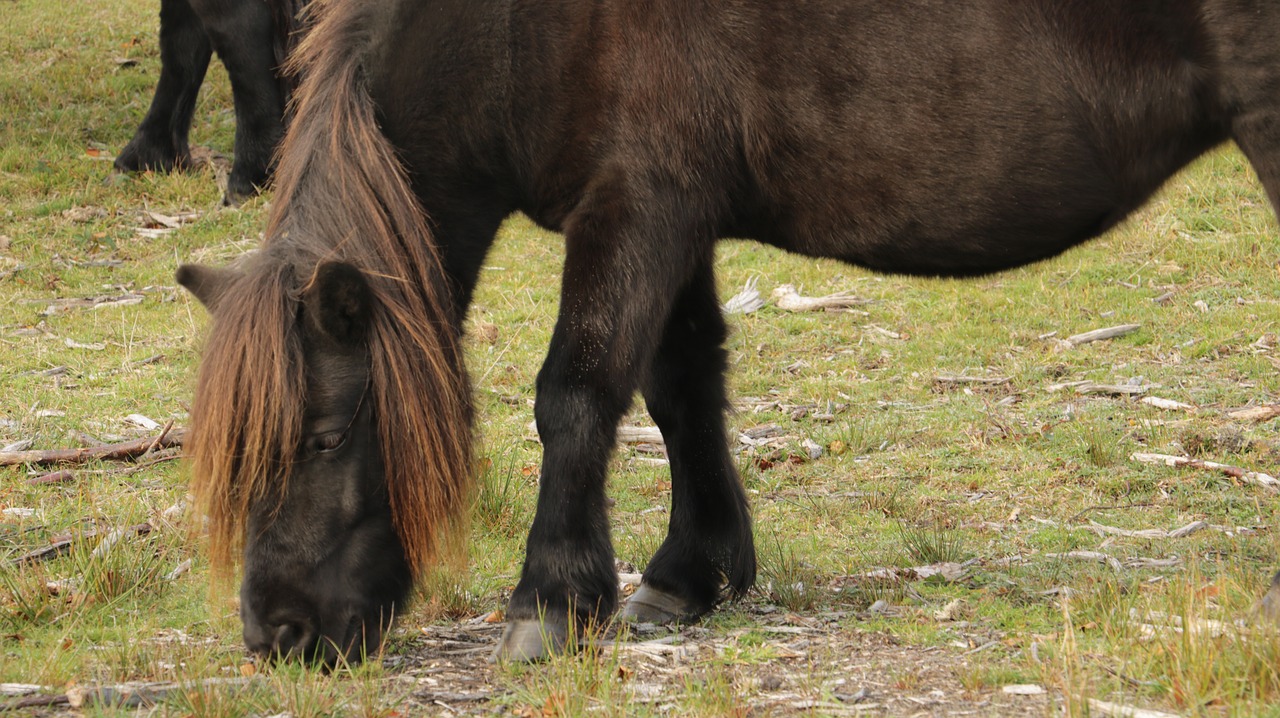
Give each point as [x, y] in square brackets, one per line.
[1154, 624]
[1113, 389]
[746, 301]
[164, 434]
[1101, 334]
[961, 379]
[947, 571]
[63, 545]
[1253, 477]
[1089, 556]
[1103, 529]
[133, 695]
[122, 451]
[56, 477]
[37, 701]
[1090, 509]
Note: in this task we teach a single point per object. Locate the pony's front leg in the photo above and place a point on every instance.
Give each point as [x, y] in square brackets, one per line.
[708, 553]
[620, 279]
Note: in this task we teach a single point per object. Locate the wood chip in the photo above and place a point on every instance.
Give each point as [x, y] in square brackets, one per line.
[143, 421]
[1116, 710]
[95, 346]
[1024, 689]
[640, 435]
[1167, 404]
[19, 689]
[1256, 413]
[788, 298]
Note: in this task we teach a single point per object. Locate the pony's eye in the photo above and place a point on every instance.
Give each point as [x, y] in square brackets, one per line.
[329, 442]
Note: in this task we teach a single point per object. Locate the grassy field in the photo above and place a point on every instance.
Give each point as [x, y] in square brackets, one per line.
[1057, 566]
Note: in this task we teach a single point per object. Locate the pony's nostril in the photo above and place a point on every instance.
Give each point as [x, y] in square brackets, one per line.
[292, 638]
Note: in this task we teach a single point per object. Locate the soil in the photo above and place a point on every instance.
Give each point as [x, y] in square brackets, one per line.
[806, 666]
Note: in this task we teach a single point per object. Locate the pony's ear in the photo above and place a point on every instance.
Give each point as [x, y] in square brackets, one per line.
[208, 284]
[339, 303]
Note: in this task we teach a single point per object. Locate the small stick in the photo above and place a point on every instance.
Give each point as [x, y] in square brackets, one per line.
[159, 438]
[1253, 477]
[961, 379]
[1091, 509]
[34, 702]
[62, 546]
[122, 451]
[56, 477]
[1101, 334]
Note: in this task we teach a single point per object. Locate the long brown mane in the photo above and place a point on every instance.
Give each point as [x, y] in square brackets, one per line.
[341, 194]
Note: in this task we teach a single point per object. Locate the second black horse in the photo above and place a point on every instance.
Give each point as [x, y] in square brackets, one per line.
[253, 38]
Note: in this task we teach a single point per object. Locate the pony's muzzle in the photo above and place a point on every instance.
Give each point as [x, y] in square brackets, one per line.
[287, 638]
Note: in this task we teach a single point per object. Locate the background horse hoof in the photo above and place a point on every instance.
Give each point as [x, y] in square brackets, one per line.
[235, 198]
[526, 641]
[1267, 610]
[649, 605]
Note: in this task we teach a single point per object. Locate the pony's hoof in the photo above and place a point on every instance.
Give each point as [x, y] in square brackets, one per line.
[526, 641]
[649, 605]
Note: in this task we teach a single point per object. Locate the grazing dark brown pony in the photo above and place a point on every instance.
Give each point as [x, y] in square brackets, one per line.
[332, 421]
[252, 37]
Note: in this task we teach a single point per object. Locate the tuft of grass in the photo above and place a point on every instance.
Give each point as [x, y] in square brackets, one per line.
[25, 598]
[931, 544]
[1100, 444]
[788, 579]
[500, 503]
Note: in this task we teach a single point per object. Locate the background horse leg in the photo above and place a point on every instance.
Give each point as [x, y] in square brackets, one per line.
[627, 256]
[243, 34]
[160, 142]
[709, 542]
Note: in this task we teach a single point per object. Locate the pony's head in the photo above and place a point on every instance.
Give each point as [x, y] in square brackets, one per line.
[294, 427]
[330, 437]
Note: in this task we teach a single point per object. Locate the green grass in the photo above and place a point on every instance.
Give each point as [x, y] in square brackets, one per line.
[914, 472]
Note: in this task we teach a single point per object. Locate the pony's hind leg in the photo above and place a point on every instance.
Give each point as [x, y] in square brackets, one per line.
[160, 142]
[624, 266]
[709, 545]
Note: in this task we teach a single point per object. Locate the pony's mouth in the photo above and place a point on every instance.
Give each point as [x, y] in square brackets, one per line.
[298, 639]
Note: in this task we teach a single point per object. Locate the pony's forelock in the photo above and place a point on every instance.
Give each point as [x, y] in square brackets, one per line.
[247, 413]
[341, 194]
